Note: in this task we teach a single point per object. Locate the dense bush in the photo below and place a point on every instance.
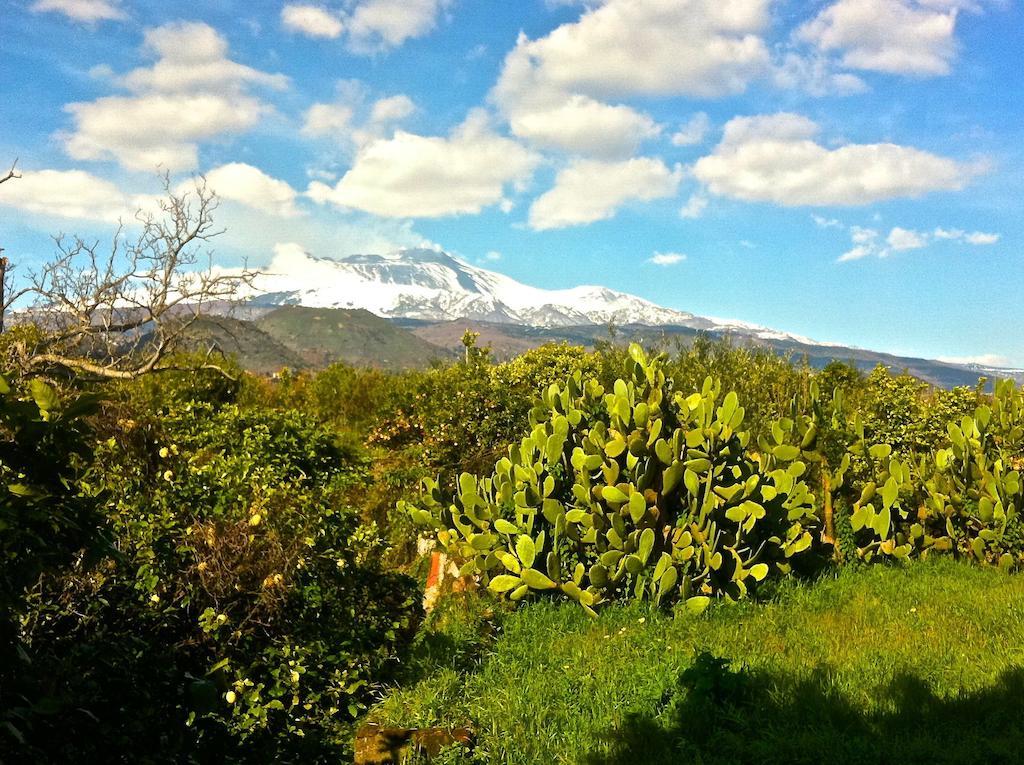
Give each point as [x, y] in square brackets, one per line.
[964, 497]
[243, 612]
[461, 416]
[641, 491]
[45, 526]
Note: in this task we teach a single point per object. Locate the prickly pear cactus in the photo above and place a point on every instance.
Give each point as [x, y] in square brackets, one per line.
[636, 491]
[964, 499]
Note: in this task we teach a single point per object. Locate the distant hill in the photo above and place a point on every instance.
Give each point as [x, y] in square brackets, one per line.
[320, 336]
[507, 340]
[253, 348]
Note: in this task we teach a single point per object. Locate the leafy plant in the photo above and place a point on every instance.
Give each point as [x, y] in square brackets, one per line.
[639, 491]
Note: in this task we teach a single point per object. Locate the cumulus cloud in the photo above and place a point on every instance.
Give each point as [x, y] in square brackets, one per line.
[369, 26]
[814, 75]
[868, 242]
[353, 120]
[581, 125]
[312, 21]
[666, 258]
[85, 11]
[591, 190]
[775, 158]
[980, 237]
[624, 48]
[910, 37]
[694, 207]
[376, 25]
[250, 186]
[190, 57]
[417, 176]
[693, 132]
[328, 119]
[901, 239]
[191, 93]
[144, 132]
[72, 194]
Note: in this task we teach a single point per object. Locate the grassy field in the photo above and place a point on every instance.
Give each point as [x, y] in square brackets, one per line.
[877, 665]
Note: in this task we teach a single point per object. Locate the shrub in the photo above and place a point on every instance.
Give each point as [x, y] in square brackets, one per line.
[640, 491]
[45, 526]
[244, 610]
[964, 498]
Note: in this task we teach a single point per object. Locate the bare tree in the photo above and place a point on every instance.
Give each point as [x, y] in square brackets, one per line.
[11, 174]
[121, 311]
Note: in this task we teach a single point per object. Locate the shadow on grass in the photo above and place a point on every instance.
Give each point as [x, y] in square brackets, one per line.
[718, 715]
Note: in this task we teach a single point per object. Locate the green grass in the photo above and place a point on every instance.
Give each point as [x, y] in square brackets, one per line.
[879, 665]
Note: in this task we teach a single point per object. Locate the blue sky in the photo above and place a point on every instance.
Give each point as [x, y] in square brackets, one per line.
[849, 170]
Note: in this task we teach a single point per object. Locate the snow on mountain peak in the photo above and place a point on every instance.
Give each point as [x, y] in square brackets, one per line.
[432, 285]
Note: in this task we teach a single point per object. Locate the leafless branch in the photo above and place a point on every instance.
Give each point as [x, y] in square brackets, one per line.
[120, 311]
[12, 173]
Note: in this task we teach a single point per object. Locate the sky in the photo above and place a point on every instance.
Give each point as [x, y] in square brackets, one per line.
[847, 170]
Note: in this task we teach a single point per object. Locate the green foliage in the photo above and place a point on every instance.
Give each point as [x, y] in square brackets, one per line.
[639, 491]
[244, 610]
[44, 524]
[965, 498]
[879, 664]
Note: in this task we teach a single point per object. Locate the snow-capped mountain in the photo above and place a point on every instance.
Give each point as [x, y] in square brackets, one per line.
[435, 286]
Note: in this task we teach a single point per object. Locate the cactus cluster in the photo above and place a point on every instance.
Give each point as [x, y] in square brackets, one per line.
[965, 498]
[638, 491]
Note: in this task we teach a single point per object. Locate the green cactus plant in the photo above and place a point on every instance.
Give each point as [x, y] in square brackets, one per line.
[637, 492]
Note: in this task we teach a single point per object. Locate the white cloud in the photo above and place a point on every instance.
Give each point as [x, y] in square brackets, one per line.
[867, 242]
[902, 239]
[192, 93]
[774, 158]
[144, 132]
[694, 207]
[429, 176]
[328, 119]
[981, 238]
[975, 237]
[376, 25]
[822, 222]
[985, 360]
[312, 21]
[591, 190]
[250, 186]
[815, 75]
[86, 11]
[622, 48]
[71, 194]
[392, 109]
[191, 57]
[666, 258]
[351, 121]
[581, 125]
[912, 37]
[692, 132]
[492, 256]
[556, 90]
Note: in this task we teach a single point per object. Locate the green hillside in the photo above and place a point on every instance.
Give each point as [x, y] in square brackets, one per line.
[321, 336]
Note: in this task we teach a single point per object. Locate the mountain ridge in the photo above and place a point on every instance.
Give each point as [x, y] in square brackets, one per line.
[432, 287]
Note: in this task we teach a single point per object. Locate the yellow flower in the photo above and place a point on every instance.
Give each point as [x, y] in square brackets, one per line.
[255, 519]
